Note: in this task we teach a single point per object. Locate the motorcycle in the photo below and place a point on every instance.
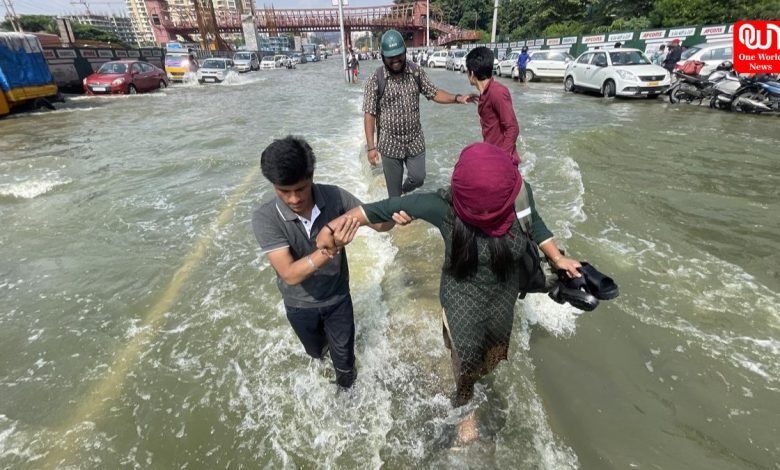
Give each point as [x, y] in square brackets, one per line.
[726, 88]
[689, 86]
[758, 95]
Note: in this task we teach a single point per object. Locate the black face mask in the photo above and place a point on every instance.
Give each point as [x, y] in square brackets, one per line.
[395, 66]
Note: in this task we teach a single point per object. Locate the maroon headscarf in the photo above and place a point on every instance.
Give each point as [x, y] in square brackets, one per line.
[485, 183]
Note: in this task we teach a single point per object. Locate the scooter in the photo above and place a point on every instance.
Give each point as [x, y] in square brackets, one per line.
[725, 90]
[757, 96]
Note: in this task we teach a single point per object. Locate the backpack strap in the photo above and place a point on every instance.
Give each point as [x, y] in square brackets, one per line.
[523, 209]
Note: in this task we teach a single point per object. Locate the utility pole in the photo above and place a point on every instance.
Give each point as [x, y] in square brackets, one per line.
[343, 39]
[10, 13]
[495, 21]
[428, 24]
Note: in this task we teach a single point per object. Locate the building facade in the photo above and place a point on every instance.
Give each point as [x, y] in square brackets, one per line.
[148, 16]
[122, 26]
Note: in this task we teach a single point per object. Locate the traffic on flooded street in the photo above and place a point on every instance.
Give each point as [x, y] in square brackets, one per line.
[156, 302]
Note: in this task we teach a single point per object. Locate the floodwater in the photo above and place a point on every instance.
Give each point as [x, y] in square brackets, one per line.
[140, 327]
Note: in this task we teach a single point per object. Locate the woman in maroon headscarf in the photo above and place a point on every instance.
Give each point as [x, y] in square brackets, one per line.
[483, 243]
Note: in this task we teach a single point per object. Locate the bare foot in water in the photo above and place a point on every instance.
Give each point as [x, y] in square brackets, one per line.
[467, 429]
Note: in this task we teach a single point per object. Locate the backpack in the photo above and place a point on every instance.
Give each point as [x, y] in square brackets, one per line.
[539, 276]
[381, 83]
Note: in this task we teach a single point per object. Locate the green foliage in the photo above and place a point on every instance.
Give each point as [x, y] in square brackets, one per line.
[34, 24]
[90, 33]
[567, 28]
[518, 19]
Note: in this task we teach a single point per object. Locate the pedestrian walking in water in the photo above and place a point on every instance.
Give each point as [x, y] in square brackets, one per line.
[496, 113]
[522, 63]
[391, 115]
[353, 65]
[313, 280]
[484, 258]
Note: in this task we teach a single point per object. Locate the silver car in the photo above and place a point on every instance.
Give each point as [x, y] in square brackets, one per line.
[246, 61]
[215, 70]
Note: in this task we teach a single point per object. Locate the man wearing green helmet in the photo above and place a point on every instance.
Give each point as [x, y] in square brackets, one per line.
[391, 106]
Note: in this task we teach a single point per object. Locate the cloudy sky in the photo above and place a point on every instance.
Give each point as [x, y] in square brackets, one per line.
[56, 7]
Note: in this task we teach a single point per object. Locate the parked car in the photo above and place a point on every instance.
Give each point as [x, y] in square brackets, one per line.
[126, 77]
[454, 57]
[215, 70]
[438, 59]
[246, 61]
[712, 54]
[617, 72]
[508, 66]
[545, 64]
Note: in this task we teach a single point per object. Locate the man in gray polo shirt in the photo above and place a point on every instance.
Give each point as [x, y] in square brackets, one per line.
[313, 281]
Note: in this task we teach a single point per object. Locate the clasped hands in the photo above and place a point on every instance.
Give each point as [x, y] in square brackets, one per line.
[341, 231]
[337, 233]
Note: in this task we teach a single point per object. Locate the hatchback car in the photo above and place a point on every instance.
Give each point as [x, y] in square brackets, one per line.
[438, 59]
[618, 72]
[546, 64]
[282, 61]
[215, 70]
[246, 61]
[126, 77]
[508, 66]
[712, 54]
[454, 59]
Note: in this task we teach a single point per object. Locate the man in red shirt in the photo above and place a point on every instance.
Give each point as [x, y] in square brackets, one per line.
[496, 114]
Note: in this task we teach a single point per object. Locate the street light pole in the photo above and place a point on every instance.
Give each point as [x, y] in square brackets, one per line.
[428, 24]
[495, 20]
[343, 39]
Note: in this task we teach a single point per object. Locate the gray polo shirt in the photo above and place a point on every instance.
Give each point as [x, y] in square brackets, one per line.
[276, 226]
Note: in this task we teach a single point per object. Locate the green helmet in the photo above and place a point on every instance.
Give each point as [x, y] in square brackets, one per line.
[392, 43]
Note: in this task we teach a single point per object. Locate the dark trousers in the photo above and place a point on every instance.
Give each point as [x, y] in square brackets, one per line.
[521, 73]
[394, 174]
[323, 328]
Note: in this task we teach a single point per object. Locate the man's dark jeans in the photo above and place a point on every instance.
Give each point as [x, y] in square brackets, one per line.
[323, 328]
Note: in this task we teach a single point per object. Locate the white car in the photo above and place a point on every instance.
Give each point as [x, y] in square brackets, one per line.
[268, 62]
[616, 72]
[282, 61]
[215, 70]
[508, 66]
[438, 59]
[712, 54]
[546, 64]
[246, 61]
[455, 56]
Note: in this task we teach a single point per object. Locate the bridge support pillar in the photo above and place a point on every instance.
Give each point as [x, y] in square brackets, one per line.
[418, 39]
[250, 32]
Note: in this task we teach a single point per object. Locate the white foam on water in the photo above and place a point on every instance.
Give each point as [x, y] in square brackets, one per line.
[33, 188]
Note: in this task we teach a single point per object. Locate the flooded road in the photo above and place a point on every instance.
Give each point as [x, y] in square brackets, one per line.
[140, 327]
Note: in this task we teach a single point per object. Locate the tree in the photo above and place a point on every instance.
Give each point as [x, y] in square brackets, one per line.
[34, 24]
[90, 33]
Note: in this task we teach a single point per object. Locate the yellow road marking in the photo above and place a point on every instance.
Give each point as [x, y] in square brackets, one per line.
[110, 386]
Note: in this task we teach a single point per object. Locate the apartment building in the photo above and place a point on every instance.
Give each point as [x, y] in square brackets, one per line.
[148, 16]
[122, 26]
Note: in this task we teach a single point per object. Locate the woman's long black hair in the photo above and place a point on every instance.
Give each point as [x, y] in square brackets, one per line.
[464, 258]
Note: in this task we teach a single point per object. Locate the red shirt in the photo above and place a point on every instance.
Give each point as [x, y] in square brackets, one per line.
[498, 120]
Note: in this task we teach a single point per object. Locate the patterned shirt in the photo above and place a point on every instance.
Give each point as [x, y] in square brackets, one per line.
[398, 126]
